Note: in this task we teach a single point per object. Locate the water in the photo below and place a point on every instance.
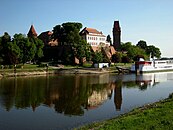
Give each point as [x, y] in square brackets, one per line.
[60, 102]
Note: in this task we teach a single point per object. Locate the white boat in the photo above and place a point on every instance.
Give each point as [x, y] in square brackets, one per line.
[142, 66]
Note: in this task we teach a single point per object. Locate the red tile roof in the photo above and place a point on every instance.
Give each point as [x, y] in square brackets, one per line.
[92, 30]
[32, 32]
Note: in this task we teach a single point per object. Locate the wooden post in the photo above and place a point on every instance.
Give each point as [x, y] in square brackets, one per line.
[47, 68]
[137, 68]
[15, 70]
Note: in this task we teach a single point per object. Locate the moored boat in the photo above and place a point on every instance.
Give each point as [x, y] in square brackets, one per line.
[142, 66]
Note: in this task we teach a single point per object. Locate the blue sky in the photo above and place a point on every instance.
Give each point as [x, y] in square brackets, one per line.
[149, 20]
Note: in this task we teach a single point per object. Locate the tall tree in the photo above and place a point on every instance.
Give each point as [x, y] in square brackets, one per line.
[68, 35]
[108, 39]
[59, 33]
[13, 53]
[38, 48]
[9, 51]
[5, 39]
[27, 48]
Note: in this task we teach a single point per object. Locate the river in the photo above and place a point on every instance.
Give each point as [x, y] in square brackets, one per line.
[58, 102]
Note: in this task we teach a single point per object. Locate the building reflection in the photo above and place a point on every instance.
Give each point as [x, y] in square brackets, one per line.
[118, 97]
[98, 98]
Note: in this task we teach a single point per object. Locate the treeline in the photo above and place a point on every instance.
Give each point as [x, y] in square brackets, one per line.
[19, 49]
[130, 53]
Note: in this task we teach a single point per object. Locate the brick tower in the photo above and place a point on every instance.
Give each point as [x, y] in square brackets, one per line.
[116, 35]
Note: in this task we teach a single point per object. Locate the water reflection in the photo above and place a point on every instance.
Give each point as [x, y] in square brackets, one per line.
[72, 94]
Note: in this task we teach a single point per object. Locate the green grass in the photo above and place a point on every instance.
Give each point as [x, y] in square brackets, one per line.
[30, 66]
[126, 65]
[157, 116]
[39, 68]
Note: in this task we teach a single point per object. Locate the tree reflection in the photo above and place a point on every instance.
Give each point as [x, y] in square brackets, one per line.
[68, 95]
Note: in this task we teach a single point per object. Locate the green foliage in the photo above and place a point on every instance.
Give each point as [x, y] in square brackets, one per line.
[27, 48]
[38, 47]
[125, 59]
[154, 51]
[140, 50]
[97, 57]
[20, 49]
[83, 50]
[108, 39]
[68, 34]
[68, 56]
[9, 51]
[13, 53]
[116, 58]
[142, 44]
[132, 51]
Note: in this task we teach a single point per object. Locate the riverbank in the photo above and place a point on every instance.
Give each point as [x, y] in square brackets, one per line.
[55, 70]
[152, 116]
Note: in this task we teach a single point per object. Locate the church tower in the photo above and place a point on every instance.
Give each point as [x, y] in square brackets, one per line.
[116, 35]
[32, 32]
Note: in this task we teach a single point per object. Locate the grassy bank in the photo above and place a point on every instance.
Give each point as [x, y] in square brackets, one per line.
[157, 116]
[30, 69]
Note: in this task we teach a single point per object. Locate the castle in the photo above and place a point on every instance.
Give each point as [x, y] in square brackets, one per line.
[94, 37]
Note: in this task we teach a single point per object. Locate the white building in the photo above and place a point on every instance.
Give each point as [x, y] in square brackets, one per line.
[94, 37]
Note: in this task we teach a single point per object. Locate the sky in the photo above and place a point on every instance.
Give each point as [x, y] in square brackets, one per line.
[148, 20]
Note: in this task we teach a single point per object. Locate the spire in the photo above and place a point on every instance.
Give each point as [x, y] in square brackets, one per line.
[32, 32]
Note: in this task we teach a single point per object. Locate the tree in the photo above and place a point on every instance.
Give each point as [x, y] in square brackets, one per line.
[125, 59]
[38, 48]
[13, 53]
[108, 39]
[154, 51]
[142, 44]
[5, 39]
[59, 33]
[9, 51]
[116, 58]
[83, 50]
[68, 35]
[27, 48]
[97, 57]
[132, 51]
